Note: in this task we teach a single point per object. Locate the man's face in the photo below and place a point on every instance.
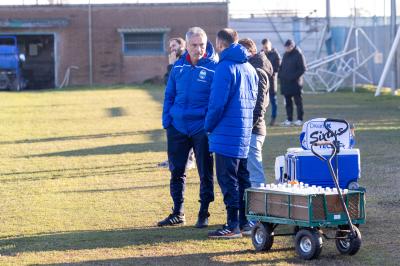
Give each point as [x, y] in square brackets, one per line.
[196, 47]
[174, 46]
[289, 48]
[267, 46]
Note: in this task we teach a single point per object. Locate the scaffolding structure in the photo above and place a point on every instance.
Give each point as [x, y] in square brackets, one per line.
[330, 72]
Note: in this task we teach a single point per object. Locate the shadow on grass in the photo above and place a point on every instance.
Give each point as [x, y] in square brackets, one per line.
[124, 188]
[108, 150]
[157, 145]
[192, 259]
[155, 135]
[111, 170]
[84, 240]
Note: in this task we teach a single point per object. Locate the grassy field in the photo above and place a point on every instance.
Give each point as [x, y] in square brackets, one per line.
[79, 183]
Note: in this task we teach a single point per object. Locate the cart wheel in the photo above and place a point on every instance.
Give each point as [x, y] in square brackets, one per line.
[262, 236]
[308, 243]
[348, 246]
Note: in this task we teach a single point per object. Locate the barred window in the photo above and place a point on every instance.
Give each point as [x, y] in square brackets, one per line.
[144, 43]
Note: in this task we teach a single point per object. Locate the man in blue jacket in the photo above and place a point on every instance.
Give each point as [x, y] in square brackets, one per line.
[185, 106]
[230, 121]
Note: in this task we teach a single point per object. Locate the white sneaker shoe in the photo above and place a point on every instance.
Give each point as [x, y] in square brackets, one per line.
[298, 123]
[286, 123]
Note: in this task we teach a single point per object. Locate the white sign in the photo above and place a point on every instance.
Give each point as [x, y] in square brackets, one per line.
[314, 131]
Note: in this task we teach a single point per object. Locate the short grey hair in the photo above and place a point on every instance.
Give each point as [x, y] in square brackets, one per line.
[195, 31]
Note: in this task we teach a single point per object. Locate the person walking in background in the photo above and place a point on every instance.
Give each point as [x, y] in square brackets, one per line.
[290, 76]
[229, 121]
[275, 59]
[264, 69]
[185, 106]
[177, 48]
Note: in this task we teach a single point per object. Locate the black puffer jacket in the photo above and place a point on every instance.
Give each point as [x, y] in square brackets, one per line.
[275, 59]
[264, 69]
[291, 72]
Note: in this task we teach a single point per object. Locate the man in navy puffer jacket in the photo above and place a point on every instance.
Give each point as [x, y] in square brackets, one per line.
[185, 106]
[230, 122]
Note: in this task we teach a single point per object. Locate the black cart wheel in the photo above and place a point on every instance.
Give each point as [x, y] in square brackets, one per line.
[308, 243]
[351, 245]
[262, 236]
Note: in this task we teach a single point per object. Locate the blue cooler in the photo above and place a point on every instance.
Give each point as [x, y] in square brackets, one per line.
[304, 166]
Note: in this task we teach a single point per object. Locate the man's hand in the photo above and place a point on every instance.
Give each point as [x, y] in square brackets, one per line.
[172, 58]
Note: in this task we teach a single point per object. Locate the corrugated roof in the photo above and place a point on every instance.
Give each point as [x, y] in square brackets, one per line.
[143, 30]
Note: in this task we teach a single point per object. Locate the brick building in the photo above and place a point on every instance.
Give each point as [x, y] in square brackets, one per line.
[128, 42]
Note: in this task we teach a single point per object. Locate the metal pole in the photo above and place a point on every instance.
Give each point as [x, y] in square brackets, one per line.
[90, 44]
[328, 15]
[392, 36]
[388, 62]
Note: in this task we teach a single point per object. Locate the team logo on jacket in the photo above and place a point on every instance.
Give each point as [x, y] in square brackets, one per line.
[202, 74]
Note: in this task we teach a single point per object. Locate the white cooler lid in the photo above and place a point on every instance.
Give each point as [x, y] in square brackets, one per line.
[301, 152]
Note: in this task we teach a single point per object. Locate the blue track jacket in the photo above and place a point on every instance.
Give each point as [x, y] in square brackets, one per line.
[187, 93]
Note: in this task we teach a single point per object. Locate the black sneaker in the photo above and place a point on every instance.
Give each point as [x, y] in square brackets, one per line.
[247, 228]
[202, 220]
[173, 220]
[225, 232]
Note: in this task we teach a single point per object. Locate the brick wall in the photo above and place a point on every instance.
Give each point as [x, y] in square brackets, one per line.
[110, 66]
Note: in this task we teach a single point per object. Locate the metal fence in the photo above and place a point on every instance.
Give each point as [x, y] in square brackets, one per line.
[309, 35]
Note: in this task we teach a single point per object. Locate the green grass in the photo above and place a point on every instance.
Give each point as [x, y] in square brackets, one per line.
[79, 182]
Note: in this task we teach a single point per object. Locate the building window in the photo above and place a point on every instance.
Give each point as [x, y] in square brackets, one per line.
[143, 43]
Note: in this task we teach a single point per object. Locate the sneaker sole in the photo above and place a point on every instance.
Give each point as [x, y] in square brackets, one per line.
[180, 224]
[226, 236]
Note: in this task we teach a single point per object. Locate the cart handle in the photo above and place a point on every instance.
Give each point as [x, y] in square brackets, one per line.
[319, 143]
[338, 121]
[335, 142]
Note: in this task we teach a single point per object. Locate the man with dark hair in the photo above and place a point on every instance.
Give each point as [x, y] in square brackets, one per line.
[176, 49]
[275, 59]
[185, 105]
[229, 121]
[290, 75]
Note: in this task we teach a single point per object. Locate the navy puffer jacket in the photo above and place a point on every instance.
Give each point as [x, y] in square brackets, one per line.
[233, 97]
[187, 93]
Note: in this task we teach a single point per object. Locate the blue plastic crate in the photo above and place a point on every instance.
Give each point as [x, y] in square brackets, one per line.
[304, 166]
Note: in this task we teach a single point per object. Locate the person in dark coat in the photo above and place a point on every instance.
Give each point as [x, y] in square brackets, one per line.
[185, 106]
[264, 69]
[290, 75]
[229, 121]
[275, 59]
